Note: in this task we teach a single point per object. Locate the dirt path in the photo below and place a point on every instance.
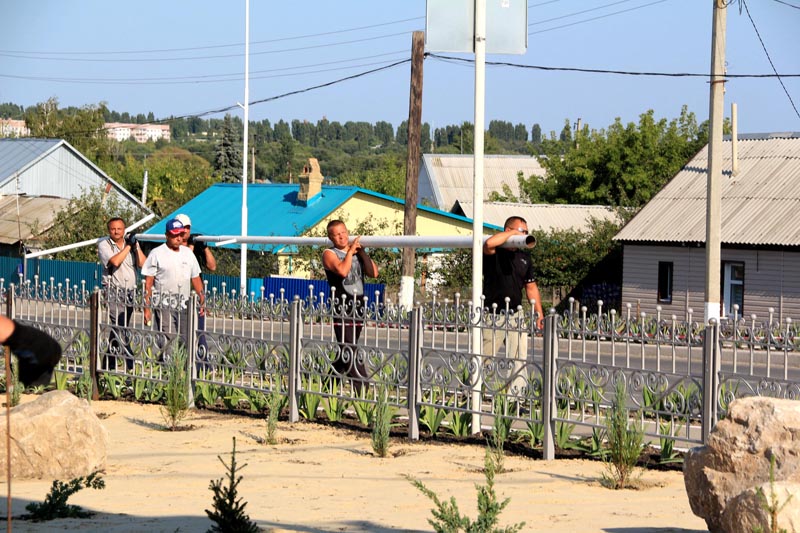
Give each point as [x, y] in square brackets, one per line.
[320, 479]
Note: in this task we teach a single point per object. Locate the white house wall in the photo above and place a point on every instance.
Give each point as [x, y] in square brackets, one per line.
[771, 280]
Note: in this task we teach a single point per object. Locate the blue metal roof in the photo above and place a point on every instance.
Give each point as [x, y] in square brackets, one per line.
[17, 154]
[273, 209]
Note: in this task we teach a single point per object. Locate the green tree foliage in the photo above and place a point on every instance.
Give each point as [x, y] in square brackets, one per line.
[228, 158]
[12, 111]
[85, 217]
[624, 165]
[389, 178]
[562, 258]
[82, 128]
[174, 177]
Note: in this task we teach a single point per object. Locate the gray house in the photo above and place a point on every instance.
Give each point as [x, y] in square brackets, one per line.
[664, 244]
[38, 177]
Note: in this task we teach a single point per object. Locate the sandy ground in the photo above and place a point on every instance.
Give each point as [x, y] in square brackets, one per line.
[321, 479]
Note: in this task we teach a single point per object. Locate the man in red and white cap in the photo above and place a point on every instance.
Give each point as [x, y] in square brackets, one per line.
[171, 272]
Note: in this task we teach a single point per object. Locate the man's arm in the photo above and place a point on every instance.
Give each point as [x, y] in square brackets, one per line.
[211, 261]
[197, 285]
[148, 293]
[140, 257]
[107, 256]
[532, 292]
[332, 262]
[491, 244]
[370, 267]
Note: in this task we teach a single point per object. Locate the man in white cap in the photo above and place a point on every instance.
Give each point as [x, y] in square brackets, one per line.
[205, 258]
[171, 272]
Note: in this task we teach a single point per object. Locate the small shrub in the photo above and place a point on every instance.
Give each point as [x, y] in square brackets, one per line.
[625, 443]
[176, 391]
[228, 514]
[274, 404]
[16, 386]
[448, 519]
[771, 503]
[55, 503]
[382, 424]
[501, 428]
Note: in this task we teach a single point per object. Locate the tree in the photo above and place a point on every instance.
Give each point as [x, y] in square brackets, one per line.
[622, 166]
[228, 160]
[83, 128]
[83, 218]
[389, 178]
[174, 176]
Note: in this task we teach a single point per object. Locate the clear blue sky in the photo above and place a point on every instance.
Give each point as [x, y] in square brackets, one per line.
[180, 57]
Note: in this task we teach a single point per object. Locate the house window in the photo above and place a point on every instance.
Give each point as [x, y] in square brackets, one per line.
[665, 282]
[732, 287]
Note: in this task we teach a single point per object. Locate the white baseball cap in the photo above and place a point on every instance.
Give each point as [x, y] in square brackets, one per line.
[186, 221]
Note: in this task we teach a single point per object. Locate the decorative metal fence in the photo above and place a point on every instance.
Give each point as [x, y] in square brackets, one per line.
[679, 376]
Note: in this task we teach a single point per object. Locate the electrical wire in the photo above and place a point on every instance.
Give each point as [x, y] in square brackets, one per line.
[211, 47]
[577, 13]
[195, 58]
[607, 71]
[764, 47]
[787, 4]
[206, 78]
[596, 18]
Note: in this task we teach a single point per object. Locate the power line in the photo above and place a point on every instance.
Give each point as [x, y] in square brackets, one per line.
[211, 47]
[787, 4]
[194, 58]
[211, 78]
[607, 71]
[764, 47]
[597, 18]
[577, 13]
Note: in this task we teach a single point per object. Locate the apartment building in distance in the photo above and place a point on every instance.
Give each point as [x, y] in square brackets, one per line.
[13, 128]
[141, 133]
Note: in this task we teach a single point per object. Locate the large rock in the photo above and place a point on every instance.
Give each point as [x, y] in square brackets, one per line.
[56, 436]
[737, 460]
[749, 511]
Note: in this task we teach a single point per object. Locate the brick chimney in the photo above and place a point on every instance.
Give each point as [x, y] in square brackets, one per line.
[310, 181]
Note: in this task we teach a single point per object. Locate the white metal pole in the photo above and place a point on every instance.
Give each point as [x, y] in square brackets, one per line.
[714, 178]
[477, 192]
[88, 242]
[243, 267]
[372, 241]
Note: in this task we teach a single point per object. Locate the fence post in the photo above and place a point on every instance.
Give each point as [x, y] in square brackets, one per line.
[294, 358]
[710, 377]
[548, 386]
[10, 301]
[191, 347]
[414, 357]
[94, 341]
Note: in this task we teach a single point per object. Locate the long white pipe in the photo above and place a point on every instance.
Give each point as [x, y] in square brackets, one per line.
[243, 261]
[375, 241]
[87, 242]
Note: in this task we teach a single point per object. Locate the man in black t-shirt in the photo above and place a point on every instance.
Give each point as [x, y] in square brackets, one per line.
[506, 272]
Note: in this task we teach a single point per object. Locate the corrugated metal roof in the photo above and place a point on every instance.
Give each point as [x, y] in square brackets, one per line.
[452, 177]
[39, 162]
[545, 217]
[759, 205]
[33, 211]
[18, 154]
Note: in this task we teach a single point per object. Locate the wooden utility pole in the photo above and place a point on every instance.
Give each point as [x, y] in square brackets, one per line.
[713, 185]
[412, 166]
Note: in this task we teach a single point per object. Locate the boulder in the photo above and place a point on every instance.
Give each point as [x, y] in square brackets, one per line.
[749, 511]
[56, 436]
[737, 459]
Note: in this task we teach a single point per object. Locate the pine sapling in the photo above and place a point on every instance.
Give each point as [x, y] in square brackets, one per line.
[228, 513]
[55, 503]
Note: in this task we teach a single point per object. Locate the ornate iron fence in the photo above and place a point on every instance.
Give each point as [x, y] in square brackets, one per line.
[425, 359]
